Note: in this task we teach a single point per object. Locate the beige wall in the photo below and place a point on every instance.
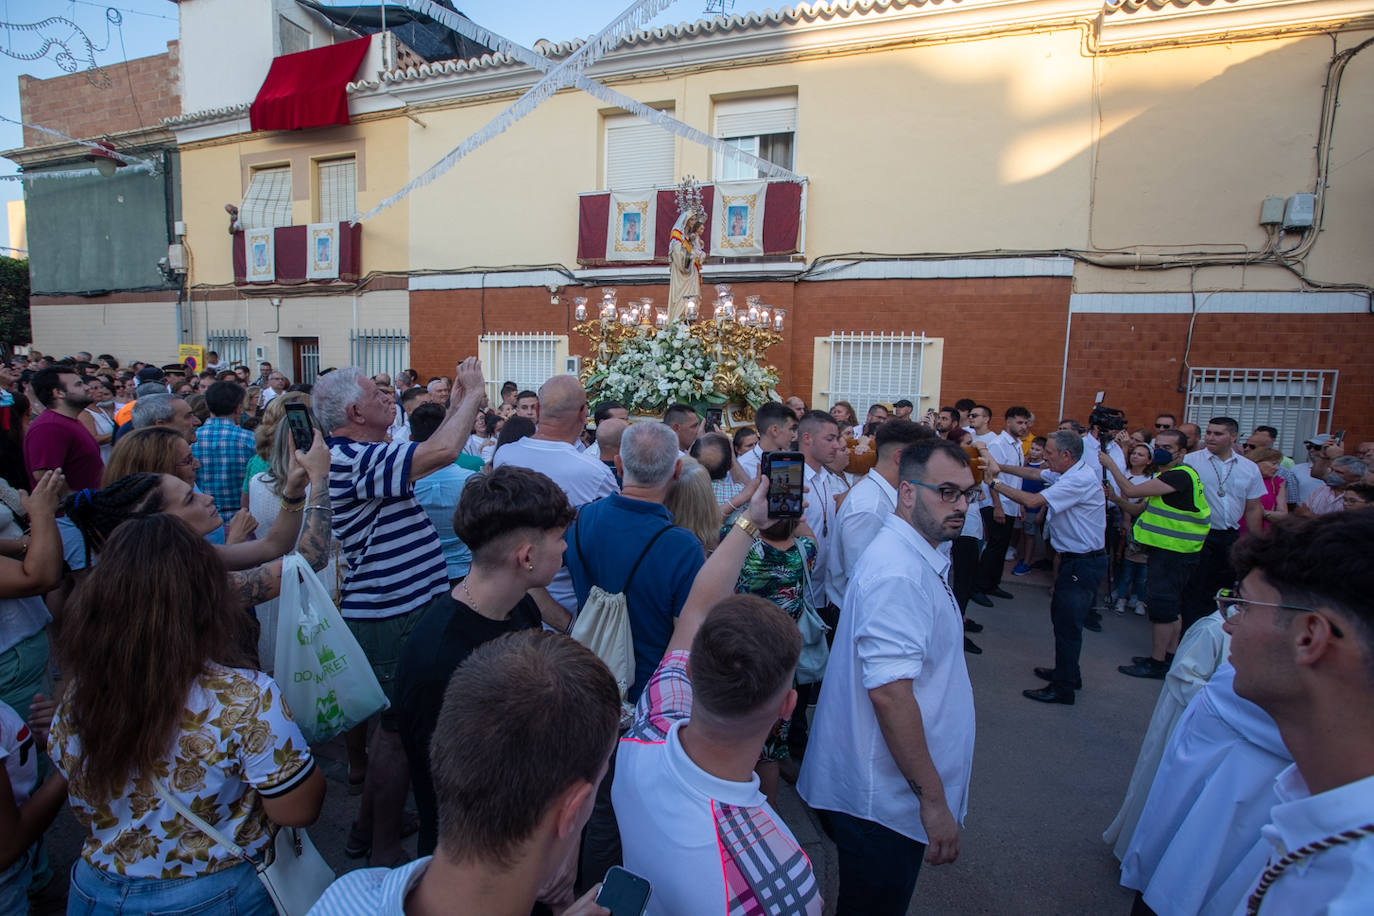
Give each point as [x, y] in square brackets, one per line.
[130, 330]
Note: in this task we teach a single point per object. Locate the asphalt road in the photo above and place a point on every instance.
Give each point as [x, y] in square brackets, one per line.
[1046, 779]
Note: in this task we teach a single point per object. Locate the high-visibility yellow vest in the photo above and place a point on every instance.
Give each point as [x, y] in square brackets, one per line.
[1172, 529]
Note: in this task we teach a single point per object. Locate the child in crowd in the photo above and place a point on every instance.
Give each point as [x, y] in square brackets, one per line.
[1033, 522]
[26, 809]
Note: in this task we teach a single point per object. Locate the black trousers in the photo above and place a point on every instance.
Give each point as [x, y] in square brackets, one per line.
[963, 569]
[996, 540]
[1213, 572]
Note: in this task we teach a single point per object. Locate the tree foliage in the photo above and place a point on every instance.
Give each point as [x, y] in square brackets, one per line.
[15, 329]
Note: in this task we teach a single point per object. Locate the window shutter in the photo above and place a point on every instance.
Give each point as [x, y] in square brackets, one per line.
[338, 190]
[268, 201]
[638, 155]
[756, 117]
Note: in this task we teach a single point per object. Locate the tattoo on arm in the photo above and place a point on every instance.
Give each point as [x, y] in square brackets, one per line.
[915, 787]
[316, 539]
[256, 585]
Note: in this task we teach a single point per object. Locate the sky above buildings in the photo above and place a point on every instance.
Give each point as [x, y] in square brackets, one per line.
[128, 29]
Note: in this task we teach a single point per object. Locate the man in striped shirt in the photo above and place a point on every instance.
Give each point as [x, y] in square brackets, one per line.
[395, 563]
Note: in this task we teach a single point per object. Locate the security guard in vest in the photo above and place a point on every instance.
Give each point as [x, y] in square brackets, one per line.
[1173, 523]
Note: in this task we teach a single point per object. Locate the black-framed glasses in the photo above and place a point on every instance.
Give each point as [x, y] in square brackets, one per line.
[951, 494]
[1163, 426]
[1232, 604]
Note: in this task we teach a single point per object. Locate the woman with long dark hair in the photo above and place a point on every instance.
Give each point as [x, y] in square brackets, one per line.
[165, 699]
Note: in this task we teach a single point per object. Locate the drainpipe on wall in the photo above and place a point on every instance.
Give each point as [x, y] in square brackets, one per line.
[1064, 373]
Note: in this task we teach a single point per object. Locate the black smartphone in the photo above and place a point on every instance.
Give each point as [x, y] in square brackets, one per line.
[713, 419]
[1338, 436]
[298, 420]
[623, 892]
[786, 472]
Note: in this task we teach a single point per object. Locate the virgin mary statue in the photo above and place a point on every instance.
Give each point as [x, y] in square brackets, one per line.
[686, 250]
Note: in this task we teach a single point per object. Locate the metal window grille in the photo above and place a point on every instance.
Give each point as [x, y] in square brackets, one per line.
[868, 367]
[529, 360]
[377, 350]
[231, 345]
[310, 364]
[268, 201]
[1296, 402]
[337, 191]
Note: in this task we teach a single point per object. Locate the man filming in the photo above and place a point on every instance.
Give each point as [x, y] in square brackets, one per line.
[1172, 524]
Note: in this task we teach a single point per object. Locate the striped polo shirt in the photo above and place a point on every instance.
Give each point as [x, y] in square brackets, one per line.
[395, 562]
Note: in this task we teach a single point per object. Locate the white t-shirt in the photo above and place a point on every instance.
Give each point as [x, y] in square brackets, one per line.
[900, 622]
[860, 518]
[749, 461]
[1006, 451]
[705, 844]
[1227, 485]
[18, 753]
[820, 512]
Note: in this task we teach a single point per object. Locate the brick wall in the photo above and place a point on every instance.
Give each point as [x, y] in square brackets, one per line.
[140, 94]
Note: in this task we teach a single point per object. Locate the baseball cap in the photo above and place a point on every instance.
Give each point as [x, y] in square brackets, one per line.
[1318, 441]
[150, 374]
[903, 403]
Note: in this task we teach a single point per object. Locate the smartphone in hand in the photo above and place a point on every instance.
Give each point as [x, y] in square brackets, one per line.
[786, 473]
[302, 431]
[623, 892]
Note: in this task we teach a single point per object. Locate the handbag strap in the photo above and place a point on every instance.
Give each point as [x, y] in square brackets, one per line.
[199, 824]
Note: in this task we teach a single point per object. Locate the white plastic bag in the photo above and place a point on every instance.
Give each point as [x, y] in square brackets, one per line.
[323, 674]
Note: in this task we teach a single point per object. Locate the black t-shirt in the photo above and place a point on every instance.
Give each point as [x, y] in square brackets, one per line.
[1182, 497]
[446, 635]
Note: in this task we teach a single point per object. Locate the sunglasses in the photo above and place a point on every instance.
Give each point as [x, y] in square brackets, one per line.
[1163, 426]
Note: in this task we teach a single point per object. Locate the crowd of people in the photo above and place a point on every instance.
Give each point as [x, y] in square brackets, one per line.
[477, 545]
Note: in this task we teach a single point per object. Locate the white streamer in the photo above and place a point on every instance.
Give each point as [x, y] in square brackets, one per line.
[65, 174]
[90, 144]
[555, 78]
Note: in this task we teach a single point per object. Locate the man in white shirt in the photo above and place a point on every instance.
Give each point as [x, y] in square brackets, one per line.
[999, 518]
[892, 744]
[1078, 524]
[1302, 642]
[777, 427]
[1233, 486]
[550, 451]
[694, 819]
[818, 439]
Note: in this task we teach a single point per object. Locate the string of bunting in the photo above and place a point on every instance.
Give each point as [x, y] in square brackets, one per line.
[556, 77]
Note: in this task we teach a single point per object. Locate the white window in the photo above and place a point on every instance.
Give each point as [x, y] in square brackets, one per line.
[268, 201]
[529, 360]
[866, 368]
[765, 127]
[294, 39]
[638, 154]
[336, 190]
[1296, 402]
[380, 350]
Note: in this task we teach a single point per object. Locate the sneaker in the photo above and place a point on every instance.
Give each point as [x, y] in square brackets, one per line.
[1118, 605]
[1011, 554]
[1020, 569]
[1139, 608]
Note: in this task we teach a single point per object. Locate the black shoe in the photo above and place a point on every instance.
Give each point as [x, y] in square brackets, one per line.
[1051, 694]
[1094, 624]
[1150, 668]
[980, 599]
[971, 647]
[998, 592]
[1144, 659]
[972, 626]
[1047, 674]
[1042, 564]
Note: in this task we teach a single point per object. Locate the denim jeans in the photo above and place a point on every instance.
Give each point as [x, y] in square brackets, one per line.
[233, 892]
[878, 866]
[14, 883]
[1074, 590]
[1131, 581]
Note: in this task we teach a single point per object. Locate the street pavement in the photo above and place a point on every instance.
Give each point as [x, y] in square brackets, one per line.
[1047, 780]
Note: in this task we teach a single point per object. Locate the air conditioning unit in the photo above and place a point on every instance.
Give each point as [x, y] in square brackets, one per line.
[176, 258]
[572, 365]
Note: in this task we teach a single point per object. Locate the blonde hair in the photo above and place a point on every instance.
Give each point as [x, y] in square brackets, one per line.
[1265, 454]
[275, 411]
[692, 500]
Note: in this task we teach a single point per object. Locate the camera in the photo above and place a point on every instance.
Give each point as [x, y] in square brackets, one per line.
[1106, 420]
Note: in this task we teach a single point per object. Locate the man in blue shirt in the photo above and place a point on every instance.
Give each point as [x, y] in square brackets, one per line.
[438, 494]
[223, 448]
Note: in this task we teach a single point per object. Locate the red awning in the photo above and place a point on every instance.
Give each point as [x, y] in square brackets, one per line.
[307, 89]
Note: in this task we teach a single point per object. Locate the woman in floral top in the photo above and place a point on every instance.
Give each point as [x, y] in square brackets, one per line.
[777, 568]
[163, 690]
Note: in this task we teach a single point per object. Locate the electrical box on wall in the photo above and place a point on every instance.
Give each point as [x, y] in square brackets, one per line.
[1271, 211]
[572, 365]
[1300, 211]
[259, 353]
[176, 257]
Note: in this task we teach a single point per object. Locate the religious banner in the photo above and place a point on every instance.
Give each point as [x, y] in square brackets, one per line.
[631, 224]
[322, 253]
[737, 218]
[261, 251]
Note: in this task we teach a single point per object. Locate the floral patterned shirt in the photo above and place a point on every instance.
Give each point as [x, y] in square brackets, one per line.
[777, 574]
[236, 745]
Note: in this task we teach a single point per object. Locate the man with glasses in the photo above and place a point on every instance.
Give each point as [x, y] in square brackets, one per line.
[1172, 523]
[1302, 643]
[1165, 421]
[1078, 519]
[892, 743]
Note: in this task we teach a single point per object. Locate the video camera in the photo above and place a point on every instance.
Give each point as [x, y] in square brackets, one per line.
[1105, 420]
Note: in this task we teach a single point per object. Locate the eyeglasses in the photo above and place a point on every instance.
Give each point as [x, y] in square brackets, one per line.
[1248, 446]
[1163, 426]
[951, 494]
[1232, 604]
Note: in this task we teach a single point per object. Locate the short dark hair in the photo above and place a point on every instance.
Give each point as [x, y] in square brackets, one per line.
[604, 408]
[1228, 423]
[527, 394]
[1273, 433]
[515, 429]
[964, 405]
[899, 434]
[983, 407]
[1363, 490]
[224, 398]
[740, 433]
[1179, 436]
[743, 656]
[952, 411]
[45, 382]
[1017, 413]
[1041, 441]
[525, 717]
[424, 420]
[677, 413]
[507, 500]
[413, 394]
[715, 454]
[916, 456]
[773, 413]
[1169, 415]
[508, 386]
[1318, 561]
[812, 421]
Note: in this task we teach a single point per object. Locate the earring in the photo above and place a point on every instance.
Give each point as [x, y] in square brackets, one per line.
[530, 567]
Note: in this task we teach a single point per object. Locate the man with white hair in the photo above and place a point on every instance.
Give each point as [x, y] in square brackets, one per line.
[395, 560]
[627, 543]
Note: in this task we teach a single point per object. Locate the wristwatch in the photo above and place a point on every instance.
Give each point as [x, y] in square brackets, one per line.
[747, 526]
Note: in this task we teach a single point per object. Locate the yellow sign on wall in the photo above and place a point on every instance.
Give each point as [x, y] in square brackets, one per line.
[192, 355]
